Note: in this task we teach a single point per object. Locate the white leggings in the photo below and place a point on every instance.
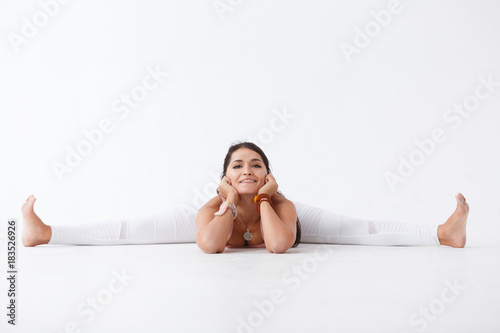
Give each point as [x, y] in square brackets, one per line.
[178, 225]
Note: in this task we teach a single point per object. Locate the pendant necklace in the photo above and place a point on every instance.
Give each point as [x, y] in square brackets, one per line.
[248, 235]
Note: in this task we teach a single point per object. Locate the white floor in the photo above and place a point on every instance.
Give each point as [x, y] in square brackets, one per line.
[321, 288]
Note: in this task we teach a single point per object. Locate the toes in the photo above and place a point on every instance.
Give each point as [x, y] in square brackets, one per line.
[29, 203]
[460, 198]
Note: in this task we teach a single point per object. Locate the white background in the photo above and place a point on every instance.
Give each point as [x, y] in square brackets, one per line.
[229, 73]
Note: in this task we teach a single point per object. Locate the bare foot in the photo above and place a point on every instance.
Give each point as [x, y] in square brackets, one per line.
[35, 232]
[452, 232]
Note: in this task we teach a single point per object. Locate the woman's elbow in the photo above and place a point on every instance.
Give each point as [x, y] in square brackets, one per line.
[277, 247]
[280, 244]
[210, 247]
[212, 251]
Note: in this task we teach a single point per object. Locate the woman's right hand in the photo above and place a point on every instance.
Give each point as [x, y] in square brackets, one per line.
[228, 191]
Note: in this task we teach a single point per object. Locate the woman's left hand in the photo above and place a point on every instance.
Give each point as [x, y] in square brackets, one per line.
[270, 187]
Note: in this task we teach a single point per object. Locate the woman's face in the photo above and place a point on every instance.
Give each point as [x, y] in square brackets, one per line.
[246, 164]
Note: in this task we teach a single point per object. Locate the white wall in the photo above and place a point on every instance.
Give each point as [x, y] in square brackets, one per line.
[232, 70]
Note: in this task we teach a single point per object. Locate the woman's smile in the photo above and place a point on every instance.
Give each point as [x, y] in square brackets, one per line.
[248, 181]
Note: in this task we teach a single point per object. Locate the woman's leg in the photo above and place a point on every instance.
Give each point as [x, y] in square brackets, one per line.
[322, 226]
[172, 226]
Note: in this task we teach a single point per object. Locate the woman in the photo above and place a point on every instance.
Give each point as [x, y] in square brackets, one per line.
[248, 211]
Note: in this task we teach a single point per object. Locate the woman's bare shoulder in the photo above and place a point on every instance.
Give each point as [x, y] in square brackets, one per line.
[280, 200]
[213, 203]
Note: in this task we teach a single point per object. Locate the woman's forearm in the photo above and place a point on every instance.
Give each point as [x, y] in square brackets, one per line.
[278, 236]
[213, 237]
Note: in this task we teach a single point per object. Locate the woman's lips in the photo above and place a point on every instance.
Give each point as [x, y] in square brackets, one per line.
[248, 182]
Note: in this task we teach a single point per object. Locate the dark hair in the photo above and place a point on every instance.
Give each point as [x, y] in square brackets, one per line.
[255, 148]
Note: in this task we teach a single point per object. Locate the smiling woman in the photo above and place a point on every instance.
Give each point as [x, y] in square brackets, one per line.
[247, 183]
[248, 211]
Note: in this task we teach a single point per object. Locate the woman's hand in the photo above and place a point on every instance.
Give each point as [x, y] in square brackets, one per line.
[270, 187]
[228, 191]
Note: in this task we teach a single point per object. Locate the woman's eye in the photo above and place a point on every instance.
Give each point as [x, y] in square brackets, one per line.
[255, 165]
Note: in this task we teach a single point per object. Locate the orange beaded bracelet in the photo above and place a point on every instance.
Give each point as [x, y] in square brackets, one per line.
[262, 197]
